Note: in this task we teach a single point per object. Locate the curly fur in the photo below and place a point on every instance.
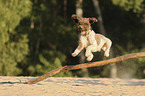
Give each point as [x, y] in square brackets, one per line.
[90, 40]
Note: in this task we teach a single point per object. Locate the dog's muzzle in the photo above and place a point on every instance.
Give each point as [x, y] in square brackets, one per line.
[81, 29]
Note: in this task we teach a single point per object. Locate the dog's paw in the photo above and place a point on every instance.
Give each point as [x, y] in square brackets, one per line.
[99, 50]
[90, 58]
[74, 54]
[107, 55]
[87, 54]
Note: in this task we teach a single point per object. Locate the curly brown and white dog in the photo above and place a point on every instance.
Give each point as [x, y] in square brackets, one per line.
[89, 39]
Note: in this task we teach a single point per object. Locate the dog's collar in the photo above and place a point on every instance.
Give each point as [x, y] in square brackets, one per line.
[88, 32]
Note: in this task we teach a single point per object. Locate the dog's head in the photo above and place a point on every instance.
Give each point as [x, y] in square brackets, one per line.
[83, 23]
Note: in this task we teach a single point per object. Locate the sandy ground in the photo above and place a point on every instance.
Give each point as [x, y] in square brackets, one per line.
[72, 87]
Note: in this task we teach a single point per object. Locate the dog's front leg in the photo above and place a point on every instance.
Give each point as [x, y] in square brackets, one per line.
[93, 46]
[78, 49]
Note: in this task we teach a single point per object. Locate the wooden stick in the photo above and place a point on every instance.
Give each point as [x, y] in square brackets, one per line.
[49, 74]
[86, 65]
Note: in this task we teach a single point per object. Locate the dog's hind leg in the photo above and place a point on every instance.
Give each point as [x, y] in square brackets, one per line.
[89, 51]
[93, 48]
[100, 45]
[90, 57]
[106, 47]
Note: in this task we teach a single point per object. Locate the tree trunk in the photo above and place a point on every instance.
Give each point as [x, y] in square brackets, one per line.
[79, 9]
[79, 12]
[65, 10]
[113, 71]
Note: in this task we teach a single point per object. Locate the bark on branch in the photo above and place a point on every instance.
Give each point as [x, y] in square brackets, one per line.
[86, 65]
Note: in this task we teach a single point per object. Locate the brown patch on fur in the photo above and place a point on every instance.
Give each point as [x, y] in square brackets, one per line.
[89, 39]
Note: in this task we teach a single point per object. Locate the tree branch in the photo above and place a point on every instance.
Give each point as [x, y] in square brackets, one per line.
[86, 65]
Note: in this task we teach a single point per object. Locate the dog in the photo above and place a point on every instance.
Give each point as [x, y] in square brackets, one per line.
[89, 39]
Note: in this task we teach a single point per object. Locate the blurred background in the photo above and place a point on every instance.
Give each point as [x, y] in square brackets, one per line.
[37, 36]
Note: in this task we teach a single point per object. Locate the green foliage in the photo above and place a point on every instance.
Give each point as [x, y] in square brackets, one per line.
[37, 36]
[50, 60]
[12, 50]
[126, 30]
[50, 40]
[135, 5]
[131, 68]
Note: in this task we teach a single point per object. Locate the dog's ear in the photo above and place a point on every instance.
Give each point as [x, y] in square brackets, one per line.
[92, 20]
[76, 18]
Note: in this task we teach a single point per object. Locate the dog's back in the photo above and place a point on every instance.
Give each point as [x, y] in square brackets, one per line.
[100, 38]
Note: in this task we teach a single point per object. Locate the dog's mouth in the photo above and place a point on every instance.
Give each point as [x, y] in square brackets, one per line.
[83, 32]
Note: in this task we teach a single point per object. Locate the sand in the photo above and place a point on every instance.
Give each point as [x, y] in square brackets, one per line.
[68, 86]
